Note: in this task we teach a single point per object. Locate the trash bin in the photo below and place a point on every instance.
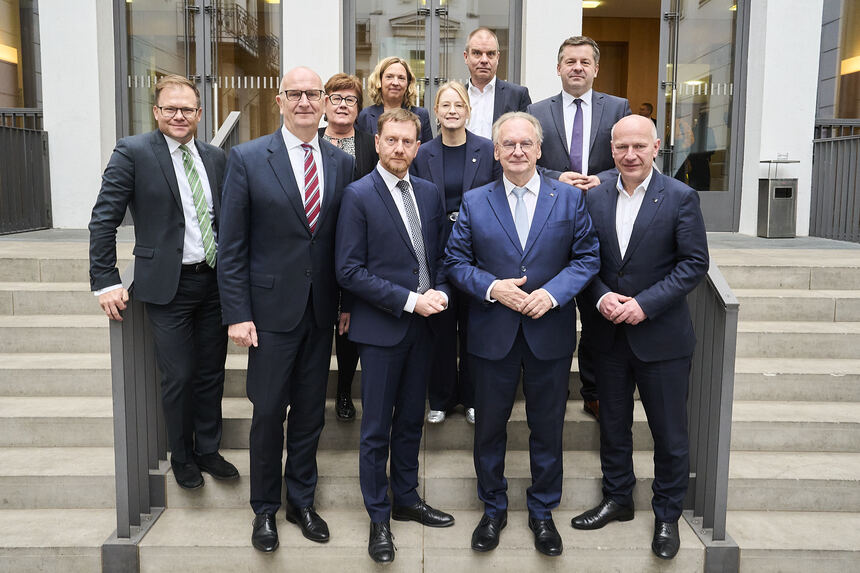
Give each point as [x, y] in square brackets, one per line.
[777, 206]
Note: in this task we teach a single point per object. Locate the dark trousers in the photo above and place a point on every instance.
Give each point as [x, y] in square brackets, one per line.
[347, 360]
[190, 348]
[451, 383]
[393, 386]
[584, 355]
[287, 369]
[545, 385]
[663, 390]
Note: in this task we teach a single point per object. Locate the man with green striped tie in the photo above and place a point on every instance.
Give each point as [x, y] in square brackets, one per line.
[172, 184]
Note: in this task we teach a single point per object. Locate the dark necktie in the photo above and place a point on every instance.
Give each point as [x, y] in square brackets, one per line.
[576, 139]
[417, 238]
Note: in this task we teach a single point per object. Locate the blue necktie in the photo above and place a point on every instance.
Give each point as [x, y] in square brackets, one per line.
[576, 139]
[521, 216]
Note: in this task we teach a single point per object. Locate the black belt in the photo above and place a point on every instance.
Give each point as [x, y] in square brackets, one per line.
[201, 267]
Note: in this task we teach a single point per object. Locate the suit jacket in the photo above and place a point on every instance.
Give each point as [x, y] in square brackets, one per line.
[555, 149]
[666, 258]
[509, 97]
[365, 152]
[480, 168]
[140, 175]
[561, 256]
[369, 117]
[375, 258]
[269, 261]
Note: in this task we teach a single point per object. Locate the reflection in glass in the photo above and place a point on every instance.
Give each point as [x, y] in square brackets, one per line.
[19, 54]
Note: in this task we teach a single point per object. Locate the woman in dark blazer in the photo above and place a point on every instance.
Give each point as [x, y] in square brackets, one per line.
[392, 85]
[342, 104]
[456, 161]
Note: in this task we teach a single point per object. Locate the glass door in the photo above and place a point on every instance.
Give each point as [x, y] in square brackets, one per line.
[230, 48]
[699, 80]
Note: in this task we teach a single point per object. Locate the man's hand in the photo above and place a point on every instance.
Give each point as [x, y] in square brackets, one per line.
[343, 323]
[507, 292]
[536, 303]
[243, 334]
[629, 312]
[431, 302]
[610, 302]
[583, 182]
[114, 301]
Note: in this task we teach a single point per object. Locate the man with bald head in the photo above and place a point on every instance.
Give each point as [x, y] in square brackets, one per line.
[653, 252]
[282, 195]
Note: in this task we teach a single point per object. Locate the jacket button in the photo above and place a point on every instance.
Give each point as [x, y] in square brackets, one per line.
[523, 269]
[414, 271]
[620, 273]
[307, 272]
[179, 250]
[182, 225]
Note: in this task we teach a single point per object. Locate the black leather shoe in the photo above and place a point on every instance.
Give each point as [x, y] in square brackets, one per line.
[592, 408]
[487, 533]
[187, 474]
[421, 512]
[547, 539]
[380, 545]
[216, 466]
[666, 539]
[343, 407]
[599, 516]
[265, 535]
[312, 525]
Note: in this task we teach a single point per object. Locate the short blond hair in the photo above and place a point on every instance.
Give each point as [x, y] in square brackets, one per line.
[374, 82]
[175, 80]
[457, 87]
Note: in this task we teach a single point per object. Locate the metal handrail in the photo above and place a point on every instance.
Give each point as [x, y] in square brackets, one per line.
[227, 135]
[21, 117]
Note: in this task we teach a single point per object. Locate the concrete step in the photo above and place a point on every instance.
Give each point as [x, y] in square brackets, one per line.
[796, 542]
[802, 379]
[47, 298]
[55, 374]
[757, 426]
[219, 539]
[68, 540]
[783, 339]
[794, 305]
[51, 261]
[54, 333]
[757, 481]
[789, 268]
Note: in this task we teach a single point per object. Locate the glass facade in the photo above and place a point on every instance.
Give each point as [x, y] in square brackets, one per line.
[20, 73]
[848, 90]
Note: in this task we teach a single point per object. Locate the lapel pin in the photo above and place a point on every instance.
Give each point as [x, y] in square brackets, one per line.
[474, 160]
[655, 200]
[552, 194]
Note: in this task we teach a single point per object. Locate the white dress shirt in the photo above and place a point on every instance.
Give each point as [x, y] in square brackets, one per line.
[482, 104]
[391, 181]
[192, 246]
[569, 108]
[297, 160]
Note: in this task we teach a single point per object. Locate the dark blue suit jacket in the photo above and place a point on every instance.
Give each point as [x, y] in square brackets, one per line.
[369, 117]
[376, 261]
[480, 167]
[561, 256]
[555, 149]
[509, 97]
[268, 259]
[666, 258]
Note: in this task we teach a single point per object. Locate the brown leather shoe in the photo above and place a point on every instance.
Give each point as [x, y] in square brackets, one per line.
[592, 407]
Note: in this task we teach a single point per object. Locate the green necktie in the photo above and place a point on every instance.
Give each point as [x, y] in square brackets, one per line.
[200, 205]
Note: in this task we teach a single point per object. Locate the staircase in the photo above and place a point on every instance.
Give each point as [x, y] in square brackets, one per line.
[794, 496]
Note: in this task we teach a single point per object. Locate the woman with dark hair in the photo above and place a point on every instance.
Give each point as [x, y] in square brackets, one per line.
[456, 161]
[342, 104]
[392, 85]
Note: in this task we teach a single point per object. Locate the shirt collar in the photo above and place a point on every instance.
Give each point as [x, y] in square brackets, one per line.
[173, 145]
[567, 99]
[533, 184]
[490, 87]
[292, 141]
[390, 178]
[641, 188]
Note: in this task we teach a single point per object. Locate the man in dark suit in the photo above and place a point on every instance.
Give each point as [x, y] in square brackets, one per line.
[282, 194]
[522, 248]
[489, 96]
[576, 150]
[653, 252]
[172, 183]
[389, 254]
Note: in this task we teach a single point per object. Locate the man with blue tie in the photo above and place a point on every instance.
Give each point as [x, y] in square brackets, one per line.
[522, 248]
[279, 296]
[576, 150]
[389, 257]
[653, 253]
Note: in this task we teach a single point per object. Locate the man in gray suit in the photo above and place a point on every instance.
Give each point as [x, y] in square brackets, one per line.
[172, 184]
[577, 149]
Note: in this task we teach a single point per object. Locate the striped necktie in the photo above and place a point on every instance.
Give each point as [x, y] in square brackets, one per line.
[312, 188]
[200, 205]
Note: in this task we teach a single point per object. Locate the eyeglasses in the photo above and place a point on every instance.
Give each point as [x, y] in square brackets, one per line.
[525, 146]
[170, 112]
[336, 99]
[296, 95]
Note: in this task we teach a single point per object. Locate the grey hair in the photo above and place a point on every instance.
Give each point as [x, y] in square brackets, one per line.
[517, 115]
